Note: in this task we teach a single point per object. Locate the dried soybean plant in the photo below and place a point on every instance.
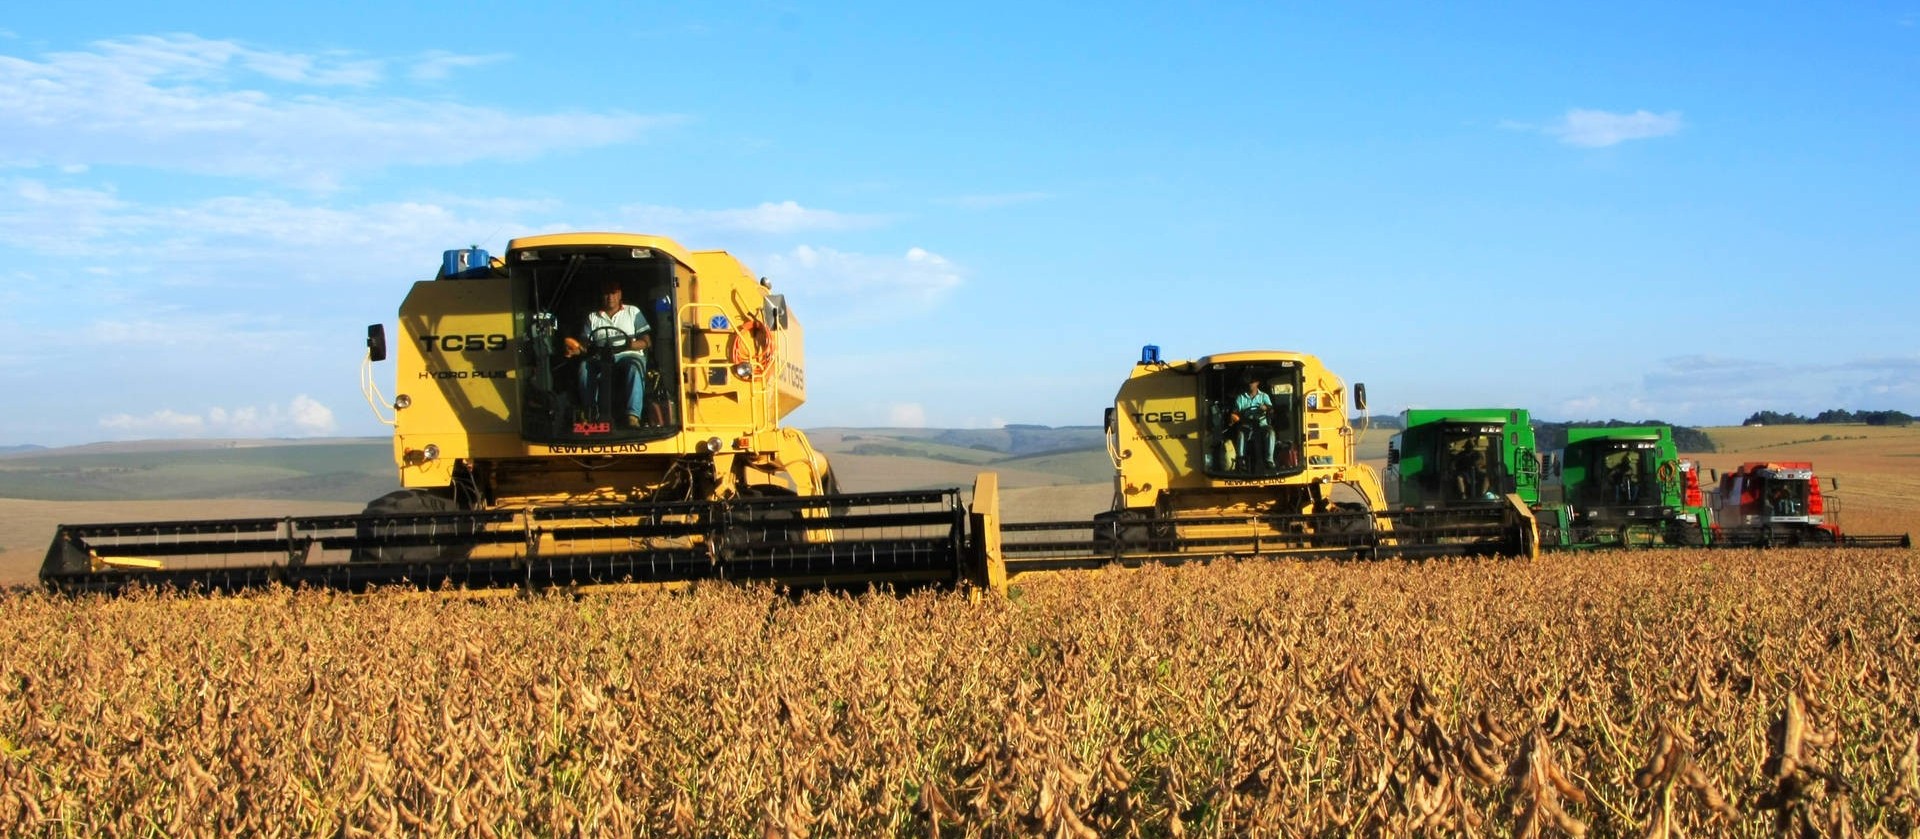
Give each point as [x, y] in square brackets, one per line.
[1684, 693]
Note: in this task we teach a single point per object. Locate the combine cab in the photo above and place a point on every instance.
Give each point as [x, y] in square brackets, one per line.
[1627, 487]
[539, 444]
[1767, 504]
[1246, 453]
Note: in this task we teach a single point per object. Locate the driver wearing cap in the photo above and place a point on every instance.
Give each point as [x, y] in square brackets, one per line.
[621, 330]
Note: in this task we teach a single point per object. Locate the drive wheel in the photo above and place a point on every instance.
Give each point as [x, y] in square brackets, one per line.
[1693, 535]
[388, 517]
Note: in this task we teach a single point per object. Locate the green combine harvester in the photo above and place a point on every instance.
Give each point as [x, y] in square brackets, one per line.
[1464, 458]
[1628, 487]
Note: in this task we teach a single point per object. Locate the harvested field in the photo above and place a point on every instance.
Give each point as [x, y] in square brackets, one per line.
[1657, 693]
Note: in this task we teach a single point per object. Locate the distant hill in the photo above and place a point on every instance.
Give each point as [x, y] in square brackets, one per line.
[359, 469]
[306, 470]
[1027, 439]
[7, 450]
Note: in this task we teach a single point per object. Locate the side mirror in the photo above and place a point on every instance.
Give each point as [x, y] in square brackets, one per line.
[1393, 457]
[1360, 396]
[1713, 475]
[1109, 421]
[377, 342]
[774, 313]
[1833, 484]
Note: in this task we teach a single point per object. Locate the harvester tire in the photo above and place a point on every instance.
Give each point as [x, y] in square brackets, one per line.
[1693, 535]
[404, 502]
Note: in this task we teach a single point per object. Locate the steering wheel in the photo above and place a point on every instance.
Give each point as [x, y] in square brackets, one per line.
[608, 336]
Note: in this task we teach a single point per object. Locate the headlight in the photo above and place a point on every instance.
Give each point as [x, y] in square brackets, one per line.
[402, 402]
[430, 453]
[710, 445]
[743, 371]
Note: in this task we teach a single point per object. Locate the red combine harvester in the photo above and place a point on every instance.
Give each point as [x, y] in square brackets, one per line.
[1780, 504]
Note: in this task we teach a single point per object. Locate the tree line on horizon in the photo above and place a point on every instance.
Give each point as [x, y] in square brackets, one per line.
[1832, 416]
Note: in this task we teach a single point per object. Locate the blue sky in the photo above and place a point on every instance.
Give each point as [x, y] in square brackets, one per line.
[980, 212]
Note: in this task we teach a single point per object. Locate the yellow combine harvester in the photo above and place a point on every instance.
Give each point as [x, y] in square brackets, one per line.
[1245, 453]
[592, 408]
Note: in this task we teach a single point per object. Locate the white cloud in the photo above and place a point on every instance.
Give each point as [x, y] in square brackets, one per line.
[303, 416]
[1725, 389]
[863, 283]
[308, 415]
[165, 422]
[226, 240]
[225, 333]
[439, 64]
[907, 415]
[1598, 129]
[188, 104]
[783, 218]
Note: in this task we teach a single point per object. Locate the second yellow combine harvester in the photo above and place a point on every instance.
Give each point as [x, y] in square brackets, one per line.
[605, 408]
[1239, 454]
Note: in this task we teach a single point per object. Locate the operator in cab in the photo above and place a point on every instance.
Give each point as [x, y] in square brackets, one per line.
[1470, 471]
[1250, 425]
[614, 340]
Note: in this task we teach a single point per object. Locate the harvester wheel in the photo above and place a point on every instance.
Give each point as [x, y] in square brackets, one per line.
[381, 524]
[1693, 535]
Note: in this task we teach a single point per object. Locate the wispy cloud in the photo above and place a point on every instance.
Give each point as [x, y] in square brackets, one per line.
[225, 240]
[165, 327]
[907, 415]
[1599, 129]
[303, 416]
[187, 104]
[1869, 383]
[862, 284]
[437, 65]
[769, 218]
[1591, 129]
